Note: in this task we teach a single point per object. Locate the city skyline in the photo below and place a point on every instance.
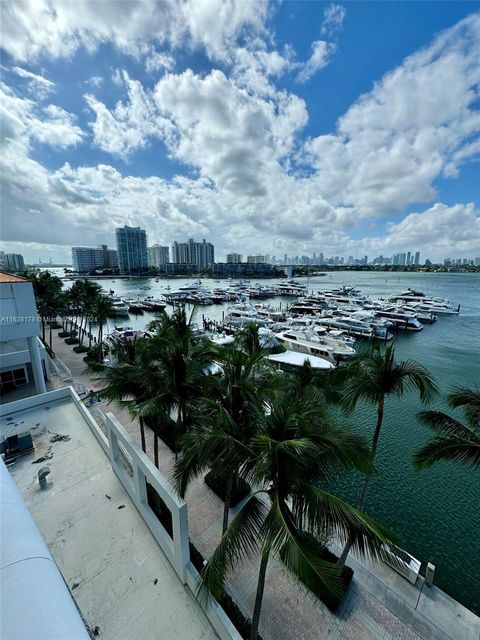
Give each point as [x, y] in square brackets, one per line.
[85, 259]
[285, 127]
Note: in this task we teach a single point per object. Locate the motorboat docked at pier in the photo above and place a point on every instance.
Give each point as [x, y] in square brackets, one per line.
[434, 305]
[154, 304]
[313, 344]
[119, 308]
[243, 312]
[291, 288]
[401, 319]
[356, 327]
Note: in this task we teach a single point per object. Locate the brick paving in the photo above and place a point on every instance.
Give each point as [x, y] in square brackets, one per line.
[290, 611]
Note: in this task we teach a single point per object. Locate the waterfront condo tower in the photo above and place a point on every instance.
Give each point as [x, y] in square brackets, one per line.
[200, 254]
[132, 249]
[158, 255]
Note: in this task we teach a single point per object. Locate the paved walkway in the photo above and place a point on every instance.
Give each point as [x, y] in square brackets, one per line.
[380, 604]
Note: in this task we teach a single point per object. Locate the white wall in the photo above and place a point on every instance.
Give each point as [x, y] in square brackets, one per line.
[18, 311]
[36, 603]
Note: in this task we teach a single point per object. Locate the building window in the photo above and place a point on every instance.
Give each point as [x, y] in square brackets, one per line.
[9, 380]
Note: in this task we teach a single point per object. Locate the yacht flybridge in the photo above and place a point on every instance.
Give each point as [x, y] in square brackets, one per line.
[401, 319]
[433, 305]
[313, 344]
[291, 288]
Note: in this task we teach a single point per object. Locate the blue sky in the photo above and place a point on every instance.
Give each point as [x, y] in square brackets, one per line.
[287, 127]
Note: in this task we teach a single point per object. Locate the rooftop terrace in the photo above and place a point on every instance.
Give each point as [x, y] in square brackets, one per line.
[121, 580]
[131, 578]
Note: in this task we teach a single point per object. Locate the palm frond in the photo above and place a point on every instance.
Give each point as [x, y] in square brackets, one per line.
[281, 534]
[316, 508]
[469, 399]
[242, 537]
[444, 424]
[448, 448]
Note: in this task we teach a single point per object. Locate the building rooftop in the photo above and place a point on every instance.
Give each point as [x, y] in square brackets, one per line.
[6, 278]
[121, 581]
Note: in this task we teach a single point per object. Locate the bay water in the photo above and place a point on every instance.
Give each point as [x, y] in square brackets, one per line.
[435, 513]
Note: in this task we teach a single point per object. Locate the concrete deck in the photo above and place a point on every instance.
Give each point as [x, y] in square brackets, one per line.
[112, 564]
[380, 604]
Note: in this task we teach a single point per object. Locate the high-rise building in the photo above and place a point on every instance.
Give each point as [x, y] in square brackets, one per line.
[256, 259]
[86, 259]
[132, 249]
[201, 254]
[158, 255]
[12, 261]
[417, 257]
[234, 258]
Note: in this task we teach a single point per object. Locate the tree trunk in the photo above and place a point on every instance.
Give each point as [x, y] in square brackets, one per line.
[51, 337]
[363, 493]
[89, 335]
[259, 597]
[228, 500]
[142, 434]
[43, 328]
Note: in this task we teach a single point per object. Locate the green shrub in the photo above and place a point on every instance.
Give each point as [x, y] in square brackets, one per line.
[241, 623]
[63, 334]
[313, 582]
[72, 341]
[217, 483]
[55, 325]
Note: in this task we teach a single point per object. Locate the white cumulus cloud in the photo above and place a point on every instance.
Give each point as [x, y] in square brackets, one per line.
[39, 86]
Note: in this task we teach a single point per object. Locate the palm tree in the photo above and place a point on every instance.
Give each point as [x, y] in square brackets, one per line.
[294, 452]
[102, 310]
[373, 376]
[248, 339]
[177, 374]
[243, 383]
[330, 383]
[89, 295]
[453, 440]
[48, 295]
[124, 381]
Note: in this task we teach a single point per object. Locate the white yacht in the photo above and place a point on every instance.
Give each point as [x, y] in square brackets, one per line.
[356, 327]
[220, 339]
[313, 344]
[291, 288]
[401, 319]
[290, 359]
[433, 305]
[241, 313]
[193, 292]
[265, 311]
[119, 308]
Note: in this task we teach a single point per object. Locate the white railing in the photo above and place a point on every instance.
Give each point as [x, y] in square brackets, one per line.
[134, 469]
[60, 369]
[175, 547]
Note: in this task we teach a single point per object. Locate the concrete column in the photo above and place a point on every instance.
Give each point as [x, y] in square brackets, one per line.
[36, 364]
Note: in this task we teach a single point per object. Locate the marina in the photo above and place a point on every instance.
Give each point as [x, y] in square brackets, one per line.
[421, 500]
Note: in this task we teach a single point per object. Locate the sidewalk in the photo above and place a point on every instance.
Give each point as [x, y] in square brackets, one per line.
[380, 604]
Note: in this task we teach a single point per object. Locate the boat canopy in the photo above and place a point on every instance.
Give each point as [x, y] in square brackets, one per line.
[298, 359]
